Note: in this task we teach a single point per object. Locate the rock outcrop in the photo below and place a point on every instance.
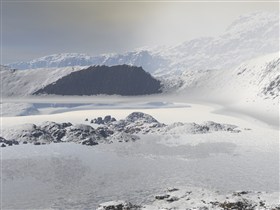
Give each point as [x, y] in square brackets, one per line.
[195, 198]
[109, 130]
[120, 80]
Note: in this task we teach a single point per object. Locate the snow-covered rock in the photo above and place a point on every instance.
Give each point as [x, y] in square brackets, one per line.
[113, 131]
[123, 137]
[140, 117]
[197, 198]
[117, 205]
[194, 128]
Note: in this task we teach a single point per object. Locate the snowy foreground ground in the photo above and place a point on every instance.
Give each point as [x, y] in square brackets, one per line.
[205, 168]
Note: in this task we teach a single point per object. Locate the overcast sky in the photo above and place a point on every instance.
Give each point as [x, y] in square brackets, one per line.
[31, 29]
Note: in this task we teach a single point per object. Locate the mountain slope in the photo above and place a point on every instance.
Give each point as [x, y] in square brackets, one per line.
[120, 80]
[255, 78]
[24, 83]
[251, 35]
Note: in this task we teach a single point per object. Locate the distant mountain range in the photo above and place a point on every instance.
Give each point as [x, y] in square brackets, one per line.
[136, 58]
[247, 37]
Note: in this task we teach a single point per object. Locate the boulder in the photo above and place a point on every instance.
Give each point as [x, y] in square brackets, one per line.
[107, 119]
[140, 116]
[2, 139]
[15, 142]
[89, 142]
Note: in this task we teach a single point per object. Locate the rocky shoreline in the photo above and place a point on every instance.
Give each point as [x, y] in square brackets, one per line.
[107, 130]
[201, 199]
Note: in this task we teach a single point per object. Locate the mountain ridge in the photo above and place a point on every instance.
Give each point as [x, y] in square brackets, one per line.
[249, 36]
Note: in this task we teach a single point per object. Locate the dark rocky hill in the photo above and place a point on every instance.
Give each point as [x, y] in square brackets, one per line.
[120, 80]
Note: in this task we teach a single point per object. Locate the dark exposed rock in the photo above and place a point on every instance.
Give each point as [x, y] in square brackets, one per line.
[244, 204]
[104, 131]
[140, 116]
[25, 142]
[78, 133]
[107, 119]
[120, 80]
[98, 121]
[240, 193]
[15, 142]
[161, 197]
[90, 142]
[172, 199]
[9, 142]
[37, 143]
[3, 145]
[58, 134]
[2, 139]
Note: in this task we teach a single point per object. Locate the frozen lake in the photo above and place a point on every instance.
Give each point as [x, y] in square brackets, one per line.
[74, 176]
[68, 175]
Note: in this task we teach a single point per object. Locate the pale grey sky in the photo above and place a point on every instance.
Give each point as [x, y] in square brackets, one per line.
[36, 28]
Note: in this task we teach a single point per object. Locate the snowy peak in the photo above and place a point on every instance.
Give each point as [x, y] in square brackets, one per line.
[250, 36]
[254, 21]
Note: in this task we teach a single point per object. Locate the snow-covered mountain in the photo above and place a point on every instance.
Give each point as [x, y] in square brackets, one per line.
[249, 36]
[255, 78]
[136, 58]
[24, 83]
